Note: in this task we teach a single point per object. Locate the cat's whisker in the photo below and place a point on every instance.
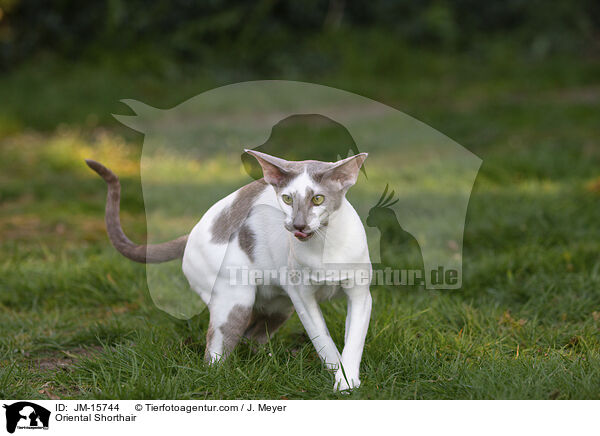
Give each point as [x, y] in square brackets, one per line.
[320, 232]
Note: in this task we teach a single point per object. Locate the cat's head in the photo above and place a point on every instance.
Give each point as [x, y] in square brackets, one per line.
[309, 191]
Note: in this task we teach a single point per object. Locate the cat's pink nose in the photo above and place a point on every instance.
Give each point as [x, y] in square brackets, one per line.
[300, 227]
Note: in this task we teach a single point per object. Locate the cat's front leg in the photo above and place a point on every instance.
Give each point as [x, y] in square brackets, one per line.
[357, 324]
[308, 310]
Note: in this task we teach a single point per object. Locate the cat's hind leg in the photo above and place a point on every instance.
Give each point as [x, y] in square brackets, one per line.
[263, 325]
[230, 310]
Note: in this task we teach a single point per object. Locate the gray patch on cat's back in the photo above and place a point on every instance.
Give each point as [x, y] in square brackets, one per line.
[247, 241]
[231, 218]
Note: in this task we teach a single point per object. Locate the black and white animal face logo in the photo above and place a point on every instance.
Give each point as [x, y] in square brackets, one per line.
[26, 415]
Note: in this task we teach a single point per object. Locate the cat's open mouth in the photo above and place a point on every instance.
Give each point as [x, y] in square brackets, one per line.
[301, 236]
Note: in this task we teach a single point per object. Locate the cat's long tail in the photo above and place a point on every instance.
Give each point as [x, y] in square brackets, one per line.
[140, 253]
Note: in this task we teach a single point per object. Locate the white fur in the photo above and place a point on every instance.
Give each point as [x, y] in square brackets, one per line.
[205, 264]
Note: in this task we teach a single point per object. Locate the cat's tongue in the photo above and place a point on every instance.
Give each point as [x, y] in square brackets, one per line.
[300, 235]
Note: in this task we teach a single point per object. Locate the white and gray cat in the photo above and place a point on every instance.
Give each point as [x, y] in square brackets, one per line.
[284, 220]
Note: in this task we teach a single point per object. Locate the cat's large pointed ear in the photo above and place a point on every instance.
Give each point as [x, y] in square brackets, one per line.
[274, 168]
[345, 171]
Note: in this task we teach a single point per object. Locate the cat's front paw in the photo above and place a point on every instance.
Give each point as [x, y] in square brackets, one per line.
[347, 383]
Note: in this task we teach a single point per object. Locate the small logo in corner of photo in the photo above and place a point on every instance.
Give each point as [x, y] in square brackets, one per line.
[24, 415]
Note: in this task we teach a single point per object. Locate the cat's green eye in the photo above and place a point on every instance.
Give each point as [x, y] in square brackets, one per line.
[286, 199]
[318, 199]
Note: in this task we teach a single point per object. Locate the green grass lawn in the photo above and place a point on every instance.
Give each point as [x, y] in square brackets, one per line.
[77, 320]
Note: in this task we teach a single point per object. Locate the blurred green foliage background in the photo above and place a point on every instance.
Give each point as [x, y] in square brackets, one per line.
[273, 35]
[516, 82]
